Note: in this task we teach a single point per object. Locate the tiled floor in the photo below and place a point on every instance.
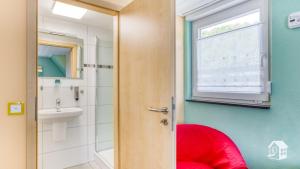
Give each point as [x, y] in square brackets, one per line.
[84, 166]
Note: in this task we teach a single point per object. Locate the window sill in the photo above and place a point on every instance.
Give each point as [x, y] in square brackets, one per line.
[264, 105]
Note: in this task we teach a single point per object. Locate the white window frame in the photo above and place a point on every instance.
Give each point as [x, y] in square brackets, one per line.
[257, 100]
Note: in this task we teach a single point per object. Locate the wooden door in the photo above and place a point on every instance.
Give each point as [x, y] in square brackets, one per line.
[146, 79]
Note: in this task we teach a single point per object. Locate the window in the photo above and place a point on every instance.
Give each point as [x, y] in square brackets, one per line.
[230, 58]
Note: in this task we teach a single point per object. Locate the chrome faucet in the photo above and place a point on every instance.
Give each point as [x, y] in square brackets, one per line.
[58, 103]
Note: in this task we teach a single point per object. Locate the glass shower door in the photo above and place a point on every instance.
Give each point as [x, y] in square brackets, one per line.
[104, 101]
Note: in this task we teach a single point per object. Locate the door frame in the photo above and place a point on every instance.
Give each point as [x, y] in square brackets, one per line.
[31, 85]
[32, 78]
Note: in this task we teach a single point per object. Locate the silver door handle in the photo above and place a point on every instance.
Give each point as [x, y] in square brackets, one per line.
[163, 110]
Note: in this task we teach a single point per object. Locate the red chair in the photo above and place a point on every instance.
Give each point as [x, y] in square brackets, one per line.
[202, 147]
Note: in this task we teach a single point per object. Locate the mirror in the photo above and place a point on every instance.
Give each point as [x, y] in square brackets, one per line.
[60, 56]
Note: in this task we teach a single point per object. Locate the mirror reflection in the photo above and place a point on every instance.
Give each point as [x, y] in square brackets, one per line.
[60, 56]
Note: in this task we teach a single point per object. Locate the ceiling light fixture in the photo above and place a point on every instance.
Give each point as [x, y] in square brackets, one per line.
[67, 10]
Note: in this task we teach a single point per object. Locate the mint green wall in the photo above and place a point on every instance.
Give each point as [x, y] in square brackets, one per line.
[50, 69]
[60, 62]
[253, 129]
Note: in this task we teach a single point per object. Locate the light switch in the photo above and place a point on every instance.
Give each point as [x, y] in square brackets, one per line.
[16, 108]
[294, 20]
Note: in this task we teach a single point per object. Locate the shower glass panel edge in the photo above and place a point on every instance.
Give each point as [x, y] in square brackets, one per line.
[104, 102]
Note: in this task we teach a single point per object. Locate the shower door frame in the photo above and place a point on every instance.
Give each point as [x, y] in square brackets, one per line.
[32, 78]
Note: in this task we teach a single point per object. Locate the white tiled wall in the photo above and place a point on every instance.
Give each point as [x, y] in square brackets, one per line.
[79, 145]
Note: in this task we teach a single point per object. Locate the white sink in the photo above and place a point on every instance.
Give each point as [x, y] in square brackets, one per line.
[63, 113]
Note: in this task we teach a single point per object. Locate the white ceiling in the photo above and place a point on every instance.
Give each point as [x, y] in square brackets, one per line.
[111, 4]
[90, 18]
[184, 7]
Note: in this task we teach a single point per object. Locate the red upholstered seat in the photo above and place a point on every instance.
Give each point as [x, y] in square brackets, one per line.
[192, 165]
[202, 147]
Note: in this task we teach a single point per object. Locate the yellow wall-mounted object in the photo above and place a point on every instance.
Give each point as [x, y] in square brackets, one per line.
[16, 108]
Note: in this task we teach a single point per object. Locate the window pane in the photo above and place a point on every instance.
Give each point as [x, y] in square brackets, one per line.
[230, 62]
[233, 24]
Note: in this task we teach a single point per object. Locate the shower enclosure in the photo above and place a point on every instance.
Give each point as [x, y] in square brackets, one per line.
[104, 104]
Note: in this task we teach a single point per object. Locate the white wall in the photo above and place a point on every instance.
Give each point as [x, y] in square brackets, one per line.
[79, 145]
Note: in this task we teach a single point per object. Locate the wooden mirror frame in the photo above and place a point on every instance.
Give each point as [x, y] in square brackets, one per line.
[74, 54]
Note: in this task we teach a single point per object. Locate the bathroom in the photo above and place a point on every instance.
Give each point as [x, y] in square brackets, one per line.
[75, 80]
